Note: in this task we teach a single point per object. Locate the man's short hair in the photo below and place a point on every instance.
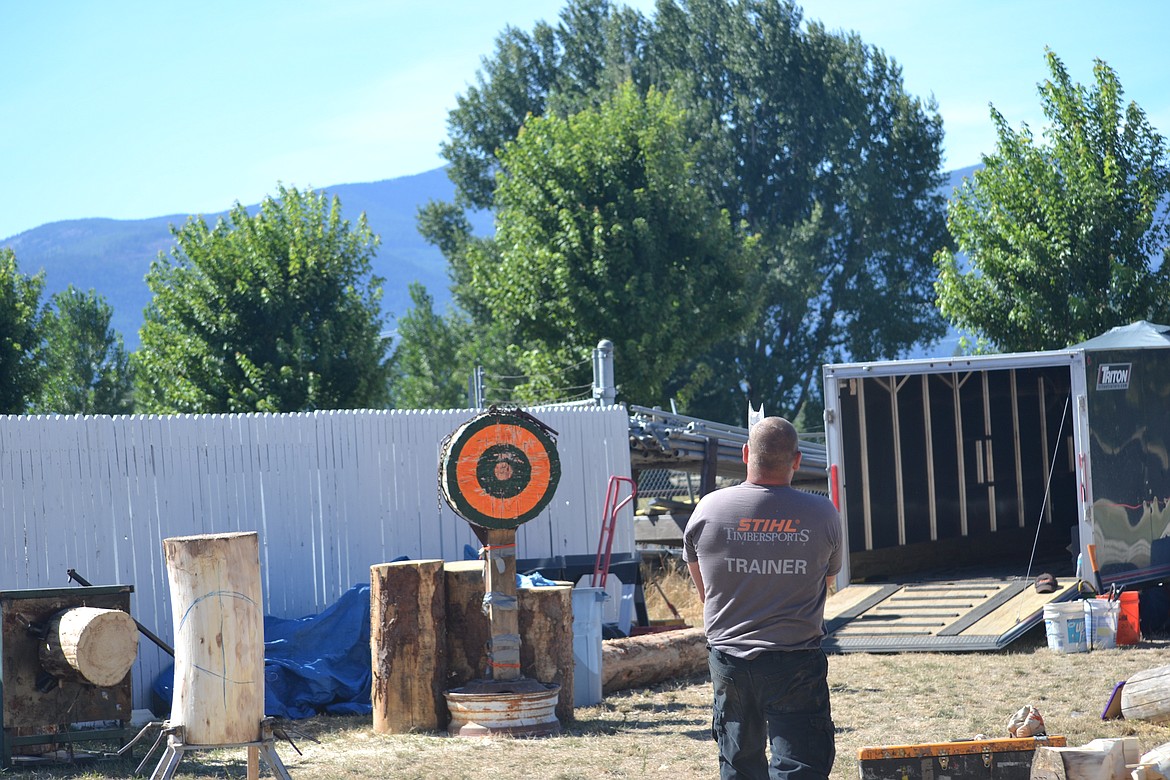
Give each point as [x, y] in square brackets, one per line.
[773, 443]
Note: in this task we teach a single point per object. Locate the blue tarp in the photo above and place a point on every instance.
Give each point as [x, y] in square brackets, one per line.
[314, 664]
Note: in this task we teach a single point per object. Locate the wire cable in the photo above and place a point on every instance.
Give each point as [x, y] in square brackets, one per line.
[1047, 492]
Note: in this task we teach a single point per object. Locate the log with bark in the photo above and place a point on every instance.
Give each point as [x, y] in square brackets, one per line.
[408, 646]
[637, 661]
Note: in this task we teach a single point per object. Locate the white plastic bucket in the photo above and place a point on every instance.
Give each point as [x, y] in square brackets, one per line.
[1101, 618]
[1064, 624]
[587, 603]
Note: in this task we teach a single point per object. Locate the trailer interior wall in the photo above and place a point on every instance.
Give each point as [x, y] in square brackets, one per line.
[950, 462]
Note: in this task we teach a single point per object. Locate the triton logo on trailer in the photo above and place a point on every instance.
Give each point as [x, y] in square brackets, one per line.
[1113, 376]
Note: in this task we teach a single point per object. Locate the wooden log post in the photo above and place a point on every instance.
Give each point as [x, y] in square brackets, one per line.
[652, 658]
[96, 646]
[468, 632]
[218, 695]
[500, 601]
[546, 647]
[408, 646]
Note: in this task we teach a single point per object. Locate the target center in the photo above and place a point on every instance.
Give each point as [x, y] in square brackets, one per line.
[503, 471]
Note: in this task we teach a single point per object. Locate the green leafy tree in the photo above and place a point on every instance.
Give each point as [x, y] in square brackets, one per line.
[806, 136]
[21, 335]
[601, 230]
[811, 139]
[272, 312]
[1063, 235]
[424, 374]
[87, 369]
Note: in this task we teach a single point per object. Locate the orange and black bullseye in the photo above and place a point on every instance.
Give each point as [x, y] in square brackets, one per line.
[500, 469]
[503, 471]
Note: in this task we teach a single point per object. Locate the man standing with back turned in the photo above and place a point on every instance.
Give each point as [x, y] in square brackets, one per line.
[762, 555]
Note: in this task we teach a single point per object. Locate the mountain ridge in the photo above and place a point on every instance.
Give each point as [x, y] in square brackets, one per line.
[112, 256]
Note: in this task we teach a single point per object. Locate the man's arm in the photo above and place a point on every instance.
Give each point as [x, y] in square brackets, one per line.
[697, 577]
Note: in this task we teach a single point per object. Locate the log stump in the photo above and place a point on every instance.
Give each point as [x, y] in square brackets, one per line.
[408, 646]
[546, 632]
[90, 645]
[218, 620]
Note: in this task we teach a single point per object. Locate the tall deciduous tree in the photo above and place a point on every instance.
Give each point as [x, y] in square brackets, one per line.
[810, 137]
[276, 312]
[21, 335]
[807, 136]
[1064, 235]
[87, 369]
[601, 230]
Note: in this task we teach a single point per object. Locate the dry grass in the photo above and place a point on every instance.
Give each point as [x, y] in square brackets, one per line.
[663, 732]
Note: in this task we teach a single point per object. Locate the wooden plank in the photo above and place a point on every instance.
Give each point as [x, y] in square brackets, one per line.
[847, 601]
[1003, 595]
[1026, 606]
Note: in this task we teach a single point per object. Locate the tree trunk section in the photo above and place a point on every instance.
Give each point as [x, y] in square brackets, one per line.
[408, 645]
[637, 661]
[1146, 696]
[92, 645]
[216, 606]
[546, 631]
[546, 652]
[468, 631]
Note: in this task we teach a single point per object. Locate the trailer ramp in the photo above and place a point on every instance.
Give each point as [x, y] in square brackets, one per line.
[943, 615]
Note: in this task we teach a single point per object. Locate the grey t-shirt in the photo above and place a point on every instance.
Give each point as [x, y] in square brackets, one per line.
[764, 553]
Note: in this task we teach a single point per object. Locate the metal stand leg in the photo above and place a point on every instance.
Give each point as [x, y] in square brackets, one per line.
[169, 761]
[266, 747]
[268, 753]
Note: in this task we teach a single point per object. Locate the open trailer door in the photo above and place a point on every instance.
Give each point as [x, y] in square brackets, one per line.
[958, 481]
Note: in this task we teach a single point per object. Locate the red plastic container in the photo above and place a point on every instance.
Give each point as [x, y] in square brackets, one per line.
[1129, 630]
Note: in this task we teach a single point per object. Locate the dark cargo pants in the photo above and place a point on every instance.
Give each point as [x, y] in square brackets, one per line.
[779, 699]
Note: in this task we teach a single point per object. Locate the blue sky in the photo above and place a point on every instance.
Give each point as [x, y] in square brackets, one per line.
[139, 109]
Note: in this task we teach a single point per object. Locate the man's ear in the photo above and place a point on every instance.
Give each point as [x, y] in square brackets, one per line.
[796, 460]
[745, 454]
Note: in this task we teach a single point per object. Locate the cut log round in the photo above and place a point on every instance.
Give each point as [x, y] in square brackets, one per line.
[1146, 696]
[636, 661]
[408, 645]
[92, 645]
[219, 637]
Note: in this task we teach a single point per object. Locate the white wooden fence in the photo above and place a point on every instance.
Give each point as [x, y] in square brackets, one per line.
[330, 494]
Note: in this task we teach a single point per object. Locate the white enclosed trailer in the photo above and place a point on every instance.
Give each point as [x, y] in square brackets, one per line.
[1016, 463]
